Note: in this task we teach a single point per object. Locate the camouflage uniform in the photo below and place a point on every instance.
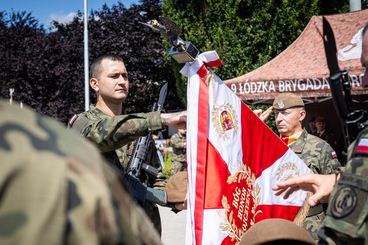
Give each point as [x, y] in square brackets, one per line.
[179, 162]
[55, 188]
[321, 159]
[347, 215]
[112, 136]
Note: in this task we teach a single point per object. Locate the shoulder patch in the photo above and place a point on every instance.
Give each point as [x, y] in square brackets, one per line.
[79, 122]
[72, 120]
[362, 146]
[344, 202]
[333, 154]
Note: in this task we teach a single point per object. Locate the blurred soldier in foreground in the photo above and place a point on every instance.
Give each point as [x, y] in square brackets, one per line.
[316, 153]
[111, 131]
[276, 231]
[347, 214]
[56, 189]
[179, 145]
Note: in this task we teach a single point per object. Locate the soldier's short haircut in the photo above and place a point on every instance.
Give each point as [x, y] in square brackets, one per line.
[96, 65]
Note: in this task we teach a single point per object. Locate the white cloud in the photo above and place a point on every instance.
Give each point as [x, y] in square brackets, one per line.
[61, 17]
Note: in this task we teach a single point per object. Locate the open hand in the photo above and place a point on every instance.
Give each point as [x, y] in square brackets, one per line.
[176, 119]
[321, 187]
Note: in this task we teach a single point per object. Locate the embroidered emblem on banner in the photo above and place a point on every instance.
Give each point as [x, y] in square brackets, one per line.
[240, 203]
[287, 171]
[225, 121]
[344, 202]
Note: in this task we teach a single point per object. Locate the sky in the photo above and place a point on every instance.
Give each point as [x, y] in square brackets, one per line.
[61, 10]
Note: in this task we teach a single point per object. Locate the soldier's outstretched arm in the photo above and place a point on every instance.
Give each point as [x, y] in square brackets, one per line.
[320, 185]
[110, 133]
[177, 119]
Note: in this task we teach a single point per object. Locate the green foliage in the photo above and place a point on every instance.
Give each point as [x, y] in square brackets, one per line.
[46, 69]
[167, 165]
[245, 33]
[271, 120]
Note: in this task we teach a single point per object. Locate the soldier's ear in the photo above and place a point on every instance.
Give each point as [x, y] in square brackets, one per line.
[94, 84]
[302, 115]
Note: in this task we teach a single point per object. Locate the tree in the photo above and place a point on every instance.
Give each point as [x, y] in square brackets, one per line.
[116, 30]
[119, 30]
[245, 33]
[46, 69]
[22, 41]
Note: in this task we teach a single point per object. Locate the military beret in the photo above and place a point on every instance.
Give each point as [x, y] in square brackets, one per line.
[176, 187]
[287, 100]
[270, 230]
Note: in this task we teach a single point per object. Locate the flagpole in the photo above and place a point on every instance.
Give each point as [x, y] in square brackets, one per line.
[86, 63]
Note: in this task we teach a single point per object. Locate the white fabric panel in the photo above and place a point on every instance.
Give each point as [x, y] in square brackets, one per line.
[227, 142]
[283, 168]
[192, 136]
[212, 219]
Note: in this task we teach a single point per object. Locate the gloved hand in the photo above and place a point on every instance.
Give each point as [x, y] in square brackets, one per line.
[136, 188]
[142, 193]
[156, 196]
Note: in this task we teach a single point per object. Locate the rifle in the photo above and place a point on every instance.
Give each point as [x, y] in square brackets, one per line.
[140, 160]
[340, 86]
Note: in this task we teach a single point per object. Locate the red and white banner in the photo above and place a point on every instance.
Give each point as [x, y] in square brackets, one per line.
[234, 159]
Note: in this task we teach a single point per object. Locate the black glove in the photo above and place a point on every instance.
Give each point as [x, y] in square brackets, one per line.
[156, 196]
[136, 188]
[142, 193]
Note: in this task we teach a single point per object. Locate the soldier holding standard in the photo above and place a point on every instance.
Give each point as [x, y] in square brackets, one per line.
[111, 131]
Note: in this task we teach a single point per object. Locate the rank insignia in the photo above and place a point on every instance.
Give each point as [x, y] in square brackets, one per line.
[281, 104]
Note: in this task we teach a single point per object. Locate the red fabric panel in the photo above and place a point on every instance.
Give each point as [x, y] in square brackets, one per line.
[258, 141]
[201, 159]
[216, 176]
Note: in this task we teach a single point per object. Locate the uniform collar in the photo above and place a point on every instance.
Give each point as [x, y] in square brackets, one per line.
[96, 112]
[298, 145]
[291, 138]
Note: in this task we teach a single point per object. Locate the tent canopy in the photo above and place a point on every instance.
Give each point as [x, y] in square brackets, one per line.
[302, 67]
